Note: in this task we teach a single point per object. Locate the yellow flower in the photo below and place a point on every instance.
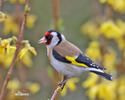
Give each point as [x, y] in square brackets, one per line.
[13, 84]
[30, 21]
[26, 49]
[8, 61]
[10, 26]
[34, 87]
[111, 30]
[2, 51]
[70, 85]
[112, 86]
[11, 50]
[103, 1]
[4, 43]
[102, 91]
[8, 48]
[93, 51]
[109, 60]
[91, 29]
[121, 88]
[9, 55]
[121, 25]
[23, 52]
[117, 5]
[6, 52]
[25, 55]
[12, 1]
[22, 1]
[2, 20]
[91, 81]
[32, 49]
[26, 60]
[92, 92]
[121, 42]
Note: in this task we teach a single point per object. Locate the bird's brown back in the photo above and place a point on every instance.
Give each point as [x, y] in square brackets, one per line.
[66, 48]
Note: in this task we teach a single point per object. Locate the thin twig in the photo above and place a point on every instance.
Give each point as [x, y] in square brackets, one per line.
[56, 13]
[0, 4]
[55, 93]
[18, 46]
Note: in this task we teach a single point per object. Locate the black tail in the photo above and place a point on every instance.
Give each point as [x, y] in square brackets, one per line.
[105, 75]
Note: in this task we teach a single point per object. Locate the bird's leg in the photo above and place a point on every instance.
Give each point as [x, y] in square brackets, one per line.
[63, 82]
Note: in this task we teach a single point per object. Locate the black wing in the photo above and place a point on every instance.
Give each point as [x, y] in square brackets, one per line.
[81, 60]
[84, 59]
[59, 57]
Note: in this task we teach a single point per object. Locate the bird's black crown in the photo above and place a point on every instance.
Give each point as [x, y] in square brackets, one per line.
[58, 35]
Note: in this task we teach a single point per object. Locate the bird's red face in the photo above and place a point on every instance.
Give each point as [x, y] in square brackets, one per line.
[51, 38]
[47, 38]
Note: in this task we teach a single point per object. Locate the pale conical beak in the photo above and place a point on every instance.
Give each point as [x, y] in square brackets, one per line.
[42, 40]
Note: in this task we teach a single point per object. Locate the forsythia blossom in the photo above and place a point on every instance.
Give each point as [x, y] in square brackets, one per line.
[7, 50]
[20, 1]
[111, 30]
[118, 5]
[93, 51]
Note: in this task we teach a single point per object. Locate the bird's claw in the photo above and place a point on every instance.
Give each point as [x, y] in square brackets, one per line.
[62, 84]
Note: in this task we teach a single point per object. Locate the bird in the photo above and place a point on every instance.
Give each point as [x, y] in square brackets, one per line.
[67, 58]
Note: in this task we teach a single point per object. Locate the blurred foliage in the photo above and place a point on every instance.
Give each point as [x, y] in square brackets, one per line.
[116, 5]
[104, 33]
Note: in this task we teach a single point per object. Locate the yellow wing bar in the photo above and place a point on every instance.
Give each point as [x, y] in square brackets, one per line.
[72, 60]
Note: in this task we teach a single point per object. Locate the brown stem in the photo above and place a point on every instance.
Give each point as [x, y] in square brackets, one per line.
[108, 12]
[56, 13]
[55, 93]
[96, 9]
[55, 19]
[1, 75]
[18, 46]
[0, 4]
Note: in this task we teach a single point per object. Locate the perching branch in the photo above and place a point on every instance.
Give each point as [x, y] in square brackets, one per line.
[55, 92]
[18, 46]
[55, 20]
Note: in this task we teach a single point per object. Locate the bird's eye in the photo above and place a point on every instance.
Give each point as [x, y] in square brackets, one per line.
[49, 37]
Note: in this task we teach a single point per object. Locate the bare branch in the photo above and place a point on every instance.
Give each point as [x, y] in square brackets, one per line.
[55, 93]
[20, 38]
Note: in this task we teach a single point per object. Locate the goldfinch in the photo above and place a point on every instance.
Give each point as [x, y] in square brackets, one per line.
[68, 59]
